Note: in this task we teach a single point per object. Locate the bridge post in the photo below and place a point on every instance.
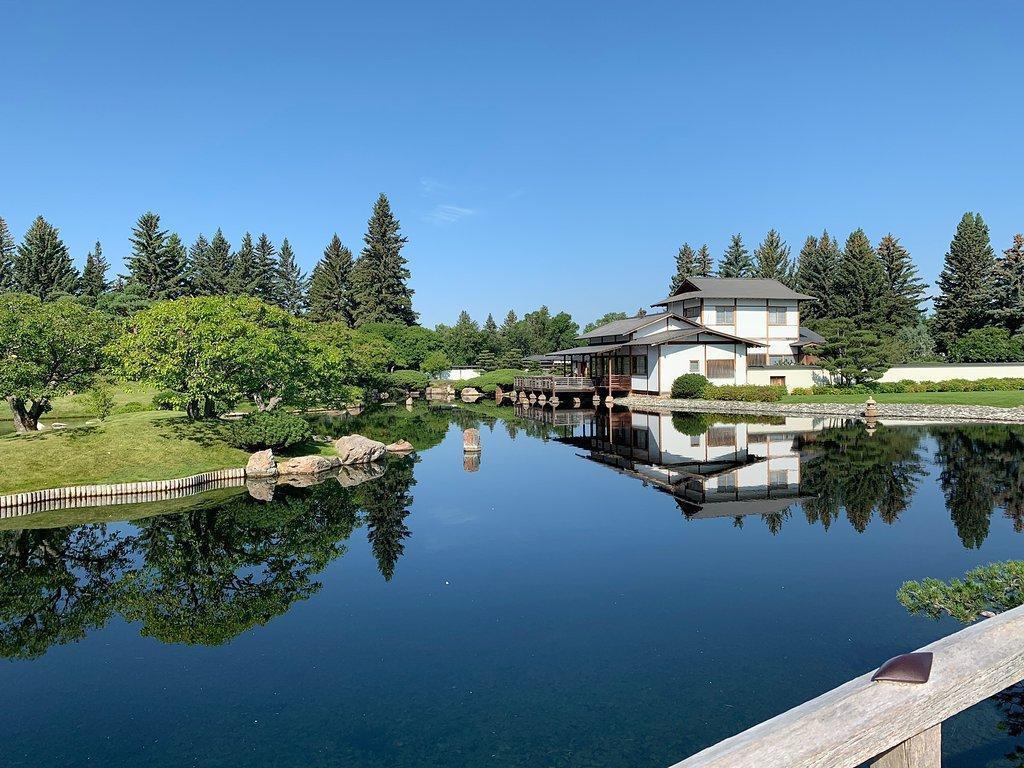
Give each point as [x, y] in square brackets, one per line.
[921, 751]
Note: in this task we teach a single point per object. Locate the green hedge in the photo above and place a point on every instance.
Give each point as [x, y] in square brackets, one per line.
[749, 393]
[906, 385]
[490, 381]
[269, 429]
[408, 380]
[690, 385]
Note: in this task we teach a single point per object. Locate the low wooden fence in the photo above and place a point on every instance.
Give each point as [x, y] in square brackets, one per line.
[890, 725]
[17, 504]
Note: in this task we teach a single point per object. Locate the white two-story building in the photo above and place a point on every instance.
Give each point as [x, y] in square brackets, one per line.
[716, 327]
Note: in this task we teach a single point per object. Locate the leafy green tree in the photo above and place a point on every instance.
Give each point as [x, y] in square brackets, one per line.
[771, 259]
[817, 268]
[156, 263]
[903, 290]
[859, 283]
[330, 290]
[292, 284]
[985, 345]
[94, 276]
[704, 264]
[345, 365]
[736, 261]
[607, 317]
[47, 349]
[380, 289]
[1008, 287]
[7, 251]
[461, 342]
[211, 265]
[412, 343]
[436, 362]
[965, 284]
[686, 267]
[543, 332]
[42, 266]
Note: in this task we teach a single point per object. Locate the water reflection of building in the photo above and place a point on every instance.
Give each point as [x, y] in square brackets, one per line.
[713, 468]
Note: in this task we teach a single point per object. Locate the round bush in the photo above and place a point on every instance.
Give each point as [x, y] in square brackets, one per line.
[408, 379]
[689, 385]
[269, 429]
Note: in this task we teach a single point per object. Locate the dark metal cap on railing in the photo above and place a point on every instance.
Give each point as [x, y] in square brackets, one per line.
[908, 668]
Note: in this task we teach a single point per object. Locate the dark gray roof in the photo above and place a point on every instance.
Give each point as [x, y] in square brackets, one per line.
[733, 288]
[672, 336]
[591, 350]
[807, 336]
[624, 327]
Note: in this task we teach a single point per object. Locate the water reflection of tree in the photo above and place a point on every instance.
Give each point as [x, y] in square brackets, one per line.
[56, 585]
[386, 505]
[862, 472]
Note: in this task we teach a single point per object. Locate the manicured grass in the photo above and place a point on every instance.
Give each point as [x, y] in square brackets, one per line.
[132, 447]
[1013, 399]
[79, 406]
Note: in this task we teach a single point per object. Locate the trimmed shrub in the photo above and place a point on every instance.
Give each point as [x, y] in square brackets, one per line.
[690, 385]
[165, 401]
[490, 381]
[269, 429]
[133, 407]
[906, 385]
[408, 380]
[750, 393]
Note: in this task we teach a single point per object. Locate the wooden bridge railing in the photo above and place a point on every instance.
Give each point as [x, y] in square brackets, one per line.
[559, 383]
[892, 725]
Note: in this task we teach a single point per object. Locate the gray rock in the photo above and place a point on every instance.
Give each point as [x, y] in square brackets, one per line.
[261, 464]
[356, 449]
[308, 465]
[400, 446]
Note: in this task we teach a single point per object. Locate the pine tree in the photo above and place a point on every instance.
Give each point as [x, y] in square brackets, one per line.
[704, 264]
[965, 283]
[42, 265]
[94, 276]
[177, 256]
[686, 267]
[816, 275]
[7, 251]
[245, 274]
[210, 265]
[330, 289]
[904, 290]
[859, 283]
[379, 279]
[771, 259]
[736, 262]
[154, 266]
[1008, 287]
[265, 272]
[292, 283]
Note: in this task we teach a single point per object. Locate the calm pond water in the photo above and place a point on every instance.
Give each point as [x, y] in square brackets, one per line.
[609, 591]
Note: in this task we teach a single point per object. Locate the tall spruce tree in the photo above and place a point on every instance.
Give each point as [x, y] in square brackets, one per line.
[7, 251]
[704, 263]
[292, 284]
[265, 274]
[859, 283]
[965, 283]
[42, 265]
[736, 261]
[904, 289]
[771, 259]
[1008, 287]
[245, 274]
[686, 267]
[816, 275]
[155, 266]
[330, 289]
[380, 290]
[94, 276]
[210, 265]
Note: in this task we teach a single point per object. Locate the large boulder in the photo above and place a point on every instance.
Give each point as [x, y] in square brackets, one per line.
[261, 489]
[261, 464]
[356, 449]
[308, 465]
[401, 446]
[357, 474]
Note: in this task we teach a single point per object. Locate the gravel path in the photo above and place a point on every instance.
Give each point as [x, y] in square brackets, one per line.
[889, 410]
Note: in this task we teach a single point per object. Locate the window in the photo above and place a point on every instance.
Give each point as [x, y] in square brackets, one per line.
[695, 366]
[694, 441]
[721, 369]
[778, 478]
[693, 311]
[640, 437]
[756, 359]
[777, 316]
[725, 316]
[727, 482]
[639, 365]
[777, 381]
[780, 360]
[719, 437]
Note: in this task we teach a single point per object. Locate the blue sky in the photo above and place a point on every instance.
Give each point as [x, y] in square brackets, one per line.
[535, 152]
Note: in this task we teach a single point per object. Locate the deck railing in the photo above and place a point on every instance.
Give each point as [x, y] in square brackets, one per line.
[549, 383]
[892, 725]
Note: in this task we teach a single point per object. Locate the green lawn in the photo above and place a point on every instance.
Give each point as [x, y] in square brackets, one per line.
[79, 406]
[1012, 399]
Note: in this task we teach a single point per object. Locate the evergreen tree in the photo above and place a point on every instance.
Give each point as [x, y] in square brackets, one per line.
[816, 275]
[771, 259]
[704, 264]
[491, 337]
[904, 290]
[1008, 287]
[265, 273]
[178, 259]
[246, 271]
[330, 289]
[42, 265]
[736, 262]
[686, 267]
[965, 283]
[94, 276]
[859, 283]
[292, 283]
[154, 265]
[380, 291]
[7, 251]
[211, 265]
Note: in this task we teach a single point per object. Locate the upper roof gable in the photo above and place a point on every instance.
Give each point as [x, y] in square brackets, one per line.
[733, 288]
[630, 325]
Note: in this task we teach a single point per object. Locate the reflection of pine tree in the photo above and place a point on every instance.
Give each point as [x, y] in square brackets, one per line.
[386, 504]
[774, 520]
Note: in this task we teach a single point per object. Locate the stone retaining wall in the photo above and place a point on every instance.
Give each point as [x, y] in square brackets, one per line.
[17, 504]
[973, 413]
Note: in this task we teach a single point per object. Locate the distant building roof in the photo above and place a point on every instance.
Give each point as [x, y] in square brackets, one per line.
[733, 288]
[807, 336]
[680, 336]
[593, 349]
[624, 327]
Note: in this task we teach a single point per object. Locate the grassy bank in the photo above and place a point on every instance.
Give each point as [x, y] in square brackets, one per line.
[1013, 399]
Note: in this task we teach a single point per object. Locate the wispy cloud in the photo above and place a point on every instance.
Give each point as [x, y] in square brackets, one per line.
[430, 187]
[449, 214]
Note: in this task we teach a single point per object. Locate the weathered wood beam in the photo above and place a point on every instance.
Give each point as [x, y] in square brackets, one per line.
[921, 751]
